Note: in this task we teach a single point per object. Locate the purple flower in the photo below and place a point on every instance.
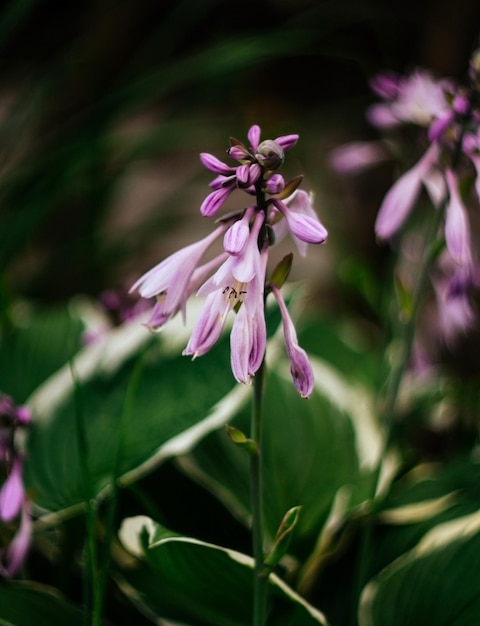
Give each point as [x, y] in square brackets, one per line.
[14, 554]
[171, 280]
[457, 231]
[416, 99]
[301, 219]
[403, 194]
[453, 285]
[248, 338]
[13, 499]
[235, 279]
[239, 281]
[300, 367]
[257, 162]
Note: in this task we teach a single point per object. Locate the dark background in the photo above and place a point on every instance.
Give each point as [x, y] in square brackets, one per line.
[105, 105]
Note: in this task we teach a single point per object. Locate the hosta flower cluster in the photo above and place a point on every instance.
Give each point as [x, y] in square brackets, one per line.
[448, 117]
[235, 280]
[449, 170]
[15, 522]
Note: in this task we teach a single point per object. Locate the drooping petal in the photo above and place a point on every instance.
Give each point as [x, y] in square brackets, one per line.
[401, 197]
[300, 367]
[12, 557]
[457, 230]
[237, 235]
[173, 273]
[12, 493]
[247, 265]
[305, 227]
[247, 343]
[208, 326]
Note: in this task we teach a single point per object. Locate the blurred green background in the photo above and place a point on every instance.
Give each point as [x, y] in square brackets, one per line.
[105, 106]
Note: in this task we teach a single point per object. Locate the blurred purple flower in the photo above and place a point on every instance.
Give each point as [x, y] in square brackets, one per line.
[14, 507]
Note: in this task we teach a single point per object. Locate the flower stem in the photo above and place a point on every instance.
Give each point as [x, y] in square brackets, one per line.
[256, 487]
[407, 330]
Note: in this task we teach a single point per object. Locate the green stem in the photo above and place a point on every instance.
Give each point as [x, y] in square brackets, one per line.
[433, 246]
[256, 486]
[407, 329]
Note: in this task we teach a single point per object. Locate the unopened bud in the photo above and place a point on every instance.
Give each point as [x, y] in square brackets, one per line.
[270, 155]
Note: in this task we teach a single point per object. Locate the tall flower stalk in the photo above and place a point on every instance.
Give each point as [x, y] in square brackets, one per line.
[234, 282]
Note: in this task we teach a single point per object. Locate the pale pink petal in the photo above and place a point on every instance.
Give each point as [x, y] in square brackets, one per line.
[300, 367]
[457, 229]
[12, 493]
[253, 135]
[401, 197]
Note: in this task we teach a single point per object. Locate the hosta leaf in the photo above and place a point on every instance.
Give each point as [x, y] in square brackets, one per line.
[25, 603]
[35, 346]
[81, 419]
[181, 578]
[312, 449]
[435, 583]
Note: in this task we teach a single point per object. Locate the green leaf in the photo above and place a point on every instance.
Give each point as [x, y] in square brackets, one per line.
[35, 346]
[27, 603]
[436, 583]
[82, 422]
[182, 578]
[312, 449]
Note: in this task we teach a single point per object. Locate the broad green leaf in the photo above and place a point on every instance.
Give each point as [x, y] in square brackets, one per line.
[316, 452]
[34, 346]
[428, 495]
[27, 603]
[81, 420]
[435, 583]
[182, 578]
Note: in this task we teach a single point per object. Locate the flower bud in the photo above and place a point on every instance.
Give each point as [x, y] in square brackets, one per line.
[270, 155]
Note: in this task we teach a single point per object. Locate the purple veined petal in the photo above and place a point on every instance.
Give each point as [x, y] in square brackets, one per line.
[237, 235]
[247, 343]
[457, 230]
[214, 201]
[275, 184]
[254, 135]
[12, 493]
[209, 325]
[215, 165]
[287, 141]
[304, 227]
[173, 273]
[220, 181]
[245, 266]
[300, 367]
[248, 174]
[16, 552]
[401, 197]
